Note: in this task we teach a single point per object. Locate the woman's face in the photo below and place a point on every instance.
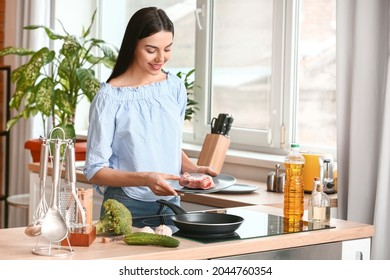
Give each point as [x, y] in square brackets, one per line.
[153, 52]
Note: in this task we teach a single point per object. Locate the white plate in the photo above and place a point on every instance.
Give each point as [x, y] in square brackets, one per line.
[239, 188]
[221, 181]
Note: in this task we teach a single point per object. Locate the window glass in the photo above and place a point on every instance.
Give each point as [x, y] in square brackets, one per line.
[242, 57]
[317, 74]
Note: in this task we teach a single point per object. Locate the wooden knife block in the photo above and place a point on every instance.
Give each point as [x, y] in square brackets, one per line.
[213, 151]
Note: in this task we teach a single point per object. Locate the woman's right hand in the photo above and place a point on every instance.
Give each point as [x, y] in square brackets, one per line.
[157, 183]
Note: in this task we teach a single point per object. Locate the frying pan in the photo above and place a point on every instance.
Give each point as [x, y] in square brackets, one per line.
[203, 222]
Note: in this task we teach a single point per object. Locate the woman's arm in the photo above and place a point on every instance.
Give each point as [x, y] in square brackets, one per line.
[187, 165]
[118, 178]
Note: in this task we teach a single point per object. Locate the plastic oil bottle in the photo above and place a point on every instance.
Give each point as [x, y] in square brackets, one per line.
[319, 204]
[293, 207]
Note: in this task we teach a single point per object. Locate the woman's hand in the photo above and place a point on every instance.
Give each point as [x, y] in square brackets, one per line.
[119, 178]
[207, 170]
[187, 165]
[157, 183]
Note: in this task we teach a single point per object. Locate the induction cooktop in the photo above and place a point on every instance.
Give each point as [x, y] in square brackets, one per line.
[256, 224]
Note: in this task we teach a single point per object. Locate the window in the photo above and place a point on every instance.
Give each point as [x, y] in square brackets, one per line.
[236, 72]
[269, 63]
[317, 79]
[272, 65]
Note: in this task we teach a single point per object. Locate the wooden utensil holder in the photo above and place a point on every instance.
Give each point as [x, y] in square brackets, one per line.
[83, 239]
[84, 236]
[214, 151]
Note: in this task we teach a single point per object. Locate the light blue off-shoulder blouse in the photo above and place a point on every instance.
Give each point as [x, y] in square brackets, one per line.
[137, 129]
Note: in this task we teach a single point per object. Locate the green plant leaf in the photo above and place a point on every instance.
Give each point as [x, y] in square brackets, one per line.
[43, 96]
[62, 101]
[86, 33]
[109, 55]
[189, 85]
[16, 51]
[63, 27]
[52, 83]
[49, 32]
[26, 76]
[13, 121]
[17, 98]
[89, 84]
[18, 73]
[68, 79]
[70, 47]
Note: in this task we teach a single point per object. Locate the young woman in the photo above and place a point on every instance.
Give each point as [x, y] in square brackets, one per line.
[136, 121]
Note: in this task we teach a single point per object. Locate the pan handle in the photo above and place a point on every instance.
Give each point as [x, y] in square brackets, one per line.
[176, 209]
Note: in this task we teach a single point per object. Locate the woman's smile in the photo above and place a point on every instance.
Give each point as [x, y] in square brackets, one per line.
[156, 67]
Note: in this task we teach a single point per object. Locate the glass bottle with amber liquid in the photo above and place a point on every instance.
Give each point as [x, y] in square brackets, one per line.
[293, 207]
[319, 204]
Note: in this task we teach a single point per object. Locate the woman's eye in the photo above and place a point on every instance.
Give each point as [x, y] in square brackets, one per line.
[151, 51]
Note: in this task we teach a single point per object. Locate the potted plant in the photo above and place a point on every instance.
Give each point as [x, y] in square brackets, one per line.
[52, 82]
[189, 85]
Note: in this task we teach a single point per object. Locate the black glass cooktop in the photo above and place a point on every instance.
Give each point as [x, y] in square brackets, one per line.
[255, 225]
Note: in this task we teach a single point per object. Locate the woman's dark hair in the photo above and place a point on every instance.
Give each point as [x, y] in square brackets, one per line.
[144, 23]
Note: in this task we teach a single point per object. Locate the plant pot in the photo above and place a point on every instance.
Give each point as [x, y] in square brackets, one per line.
[34, 145]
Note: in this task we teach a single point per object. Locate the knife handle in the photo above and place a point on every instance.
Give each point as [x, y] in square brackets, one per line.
[213, 121]
[219, 126]
[229, 123]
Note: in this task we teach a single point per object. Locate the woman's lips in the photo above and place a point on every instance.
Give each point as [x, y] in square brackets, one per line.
[156, 66]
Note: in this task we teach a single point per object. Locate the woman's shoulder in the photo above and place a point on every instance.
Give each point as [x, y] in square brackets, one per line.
[109, 94]
[113, 90]
[173, 77]
[174, 80]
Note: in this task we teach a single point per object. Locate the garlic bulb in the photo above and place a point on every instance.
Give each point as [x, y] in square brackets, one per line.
[146, 229]
[163, 230]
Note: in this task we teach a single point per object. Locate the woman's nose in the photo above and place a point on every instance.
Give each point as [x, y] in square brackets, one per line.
[159, 57]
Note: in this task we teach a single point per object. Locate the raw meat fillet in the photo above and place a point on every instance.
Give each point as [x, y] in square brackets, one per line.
[196, 181]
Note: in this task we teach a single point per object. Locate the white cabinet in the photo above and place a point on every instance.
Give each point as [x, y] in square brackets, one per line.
[358, 249]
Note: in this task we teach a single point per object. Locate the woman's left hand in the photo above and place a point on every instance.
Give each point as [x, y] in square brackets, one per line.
[188, 165]
[207, 170]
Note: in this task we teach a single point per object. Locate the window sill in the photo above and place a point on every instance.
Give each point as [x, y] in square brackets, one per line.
[238, 157]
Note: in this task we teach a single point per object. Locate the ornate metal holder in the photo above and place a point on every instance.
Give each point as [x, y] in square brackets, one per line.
[65, 213]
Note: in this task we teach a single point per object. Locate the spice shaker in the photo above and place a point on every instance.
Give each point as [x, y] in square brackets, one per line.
[275, 180]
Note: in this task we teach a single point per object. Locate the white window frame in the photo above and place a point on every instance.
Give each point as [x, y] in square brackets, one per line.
[283, 93]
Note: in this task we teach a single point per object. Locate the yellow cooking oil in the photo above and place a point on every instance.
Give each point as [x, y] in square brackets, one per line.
[292, 225]
[293, 207]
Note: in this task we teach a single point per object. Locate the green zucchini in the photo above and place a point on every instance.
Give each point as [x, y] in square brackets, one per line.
[146, 238]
